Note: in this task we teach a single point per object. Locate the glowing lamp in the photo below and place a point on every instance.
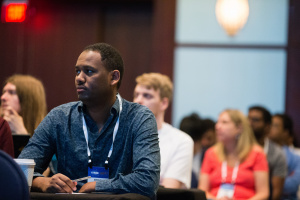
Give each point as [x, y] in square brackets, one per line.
[232, 15]
[14, 10]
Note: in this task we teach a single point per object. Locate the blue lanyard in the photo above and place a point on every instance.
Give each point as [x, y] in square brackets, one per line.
[85, 131]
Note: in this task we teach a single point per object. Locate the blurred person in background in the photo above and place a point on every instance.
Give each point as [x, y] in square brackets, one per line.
[155, 91]
[260, 120]
[23, 106]
[203, 134]
[281, 131]
[23, 103]
[236, 166]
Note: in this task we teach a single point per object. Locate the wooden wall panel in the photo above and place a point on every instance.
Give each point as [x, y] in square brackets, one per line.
[48, 43]
[52, 38]
[164, 41]
[293, 68]
[128, 27]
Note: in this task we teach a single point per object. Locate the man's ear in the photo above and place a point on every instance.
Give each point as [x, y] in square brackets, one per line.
[164, 103]
[115, 77]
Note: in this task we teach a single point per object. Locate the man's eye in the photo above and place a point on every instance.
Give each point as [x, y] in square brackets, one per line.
[77, 71]
[147, 96]
[89, 71]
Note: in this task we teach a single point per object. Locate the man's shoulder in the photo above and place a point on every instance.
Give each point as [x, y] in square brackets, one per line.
[275, 154]
[173, 132]
[136, 114]
[67, 107]
[131, 108]
[275, 149]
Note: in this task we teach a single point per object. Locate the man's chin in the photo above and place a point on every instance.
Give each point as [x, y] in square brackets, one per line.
[258, 134]
[82, 98]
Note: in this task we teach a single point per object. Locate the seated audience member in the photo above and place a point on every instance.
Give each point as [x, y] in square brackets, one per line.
[23, 103]
[203, 135]
[260, 120]
[293, 145]
[281, 130]
[236, 166]
[6, 141]
[155, 90]
[102, 132]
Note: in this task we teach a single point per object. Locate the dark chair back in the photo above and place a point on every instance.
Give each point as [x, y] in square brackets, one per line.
[13, 183]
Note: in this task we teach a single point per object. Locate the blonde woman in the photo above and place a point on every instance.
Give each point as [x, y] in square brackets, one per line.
[236, 167]
[23, 103]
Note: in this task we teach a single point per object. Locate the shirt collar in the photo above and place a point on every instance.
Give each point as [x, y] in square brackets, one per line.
[115, 109]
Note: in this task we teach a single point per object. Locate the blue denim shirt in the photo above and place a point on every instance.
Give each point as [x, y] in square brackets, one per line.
[134, 165]
[292, 180]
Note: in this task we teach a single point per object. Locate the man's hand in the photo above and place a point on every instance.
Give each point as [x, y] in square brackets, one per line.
[58, 183]
[14, 120]
[88, 187]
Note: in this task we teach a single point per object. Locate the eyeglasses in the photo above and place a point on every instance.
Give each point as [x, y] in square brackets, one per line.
[255, 119]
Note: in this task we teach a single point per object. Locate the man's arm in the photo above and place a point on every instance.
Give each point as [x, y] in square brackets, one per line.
[278, 170]
[179, 171]
[172, 183]
[41, 148]
[277, 186]
[292, 180]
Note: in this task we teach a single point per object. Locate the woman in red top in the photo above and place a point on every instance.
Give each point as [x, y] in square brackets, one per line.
[236, 167]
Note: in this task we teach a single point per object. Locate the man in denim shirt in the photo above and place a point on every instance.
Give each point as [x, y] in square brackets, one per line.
[100, 134]
[281, 131]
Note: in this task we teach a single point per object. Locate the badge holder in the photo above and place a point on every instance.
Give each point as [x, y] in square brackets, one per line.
[226, 190]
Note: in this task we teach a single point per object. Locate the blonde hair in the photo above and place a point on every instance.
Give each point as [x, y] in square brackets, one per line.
[32, 99]
[157, 81]
[246, 139]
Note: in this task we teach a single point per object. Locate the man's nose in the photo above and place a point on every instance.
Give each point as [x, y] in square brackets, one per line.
[138, 99]
[80, 78]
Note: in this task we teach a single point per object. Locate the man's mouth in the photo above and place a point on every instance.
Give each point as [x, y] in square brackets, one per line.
[80, 89]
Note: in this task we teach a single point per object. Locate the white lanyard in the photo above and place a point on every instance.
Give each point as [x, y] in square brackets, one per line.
[114, 135]
[234, 172]
[266, 147]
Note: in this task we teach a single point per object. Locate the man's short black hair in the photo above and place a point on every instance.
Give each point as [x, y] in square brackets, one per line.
[110, 57]
[267, 117]
[287, 123]
[195, 126]
[192, 125]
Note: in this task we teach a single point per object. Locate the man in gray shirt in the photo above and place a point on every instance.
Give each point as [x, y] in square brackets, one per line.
[260, 120]
[102, 135]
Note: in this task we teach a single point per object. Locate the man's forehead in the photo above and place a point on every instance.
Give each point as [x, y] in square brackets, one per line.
[277, 119]
[88, 57]
[147, 87]
[256, 112]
